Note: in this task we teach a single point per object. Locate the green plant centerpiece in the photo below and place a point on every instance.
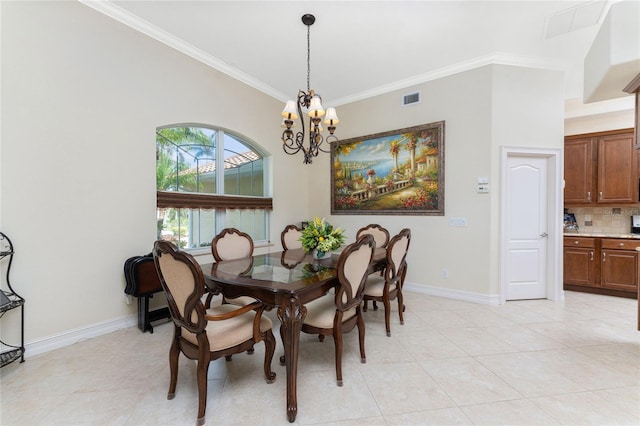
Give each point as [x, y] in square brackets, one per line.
[321, 236]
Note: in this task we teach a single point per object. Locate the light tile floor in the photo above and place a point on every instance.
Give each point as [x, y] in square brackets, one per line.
[531, 362]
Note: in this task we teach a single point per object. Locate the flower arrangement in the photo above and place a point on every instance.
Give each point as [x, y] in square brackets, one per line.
[322, 236]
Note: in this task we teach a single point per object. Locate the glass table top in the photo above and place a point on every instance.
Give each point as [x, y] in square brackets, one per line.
[284, 267]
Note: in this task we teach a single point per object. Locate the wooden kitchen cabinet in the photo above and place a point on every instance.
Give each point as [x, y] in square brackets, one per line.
[601, 168]
[619, 264]
[579, 167]
[580, 261]
[617, 174]
[601, 265]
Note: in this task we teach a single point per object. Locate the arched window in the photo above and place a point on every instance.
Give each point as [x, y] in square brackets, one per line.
[196, 198]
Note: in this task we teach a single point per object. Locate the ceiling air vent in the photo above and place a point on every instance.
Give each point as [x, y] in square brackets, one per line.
[411, 98]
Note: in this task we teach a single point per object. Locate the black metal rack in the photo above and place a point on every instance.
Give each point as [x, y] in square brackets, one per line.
[10, 300]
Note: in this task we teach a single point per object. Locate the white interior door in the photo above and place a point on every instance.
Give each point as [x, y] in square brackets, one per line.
[526, 227]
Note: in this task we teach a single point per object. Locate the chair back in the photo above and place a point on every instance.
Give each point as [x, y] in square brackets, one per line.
[183, 283]
[231, 244]
[353, 266]
[397, 257]
[290, 237]
[380, 234]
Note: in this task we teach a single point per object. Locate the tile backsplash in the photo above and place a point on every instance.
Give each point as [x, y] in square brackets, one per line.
[610, 220]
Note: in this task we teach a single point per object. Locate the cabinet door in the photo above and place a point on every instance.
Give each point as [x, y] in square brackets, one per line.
[579, 266]
[619, 270]
[579, 171]
[616, 169]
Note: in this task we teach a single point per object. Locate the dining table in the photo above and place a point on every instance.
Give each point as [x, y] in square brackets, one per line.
[285, 280]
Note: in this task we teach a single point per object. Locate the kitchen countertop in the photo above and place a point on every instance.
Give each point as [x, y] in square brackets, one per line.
[600, 235]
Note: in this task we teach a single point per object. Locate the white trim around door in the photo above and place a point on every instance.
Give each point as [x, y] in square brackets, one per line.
[555, 173]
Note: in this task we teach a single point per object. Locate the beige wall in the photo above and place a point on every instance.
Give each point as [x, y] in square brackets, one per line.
[83, 94]
[483, 110]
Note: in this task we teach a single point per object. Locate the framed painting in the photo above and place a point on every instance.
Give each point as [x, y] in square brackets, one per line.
[390, 173]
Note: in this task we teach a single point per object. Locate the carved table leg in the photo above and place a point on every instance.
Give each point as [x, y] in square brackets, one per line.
[291, 315]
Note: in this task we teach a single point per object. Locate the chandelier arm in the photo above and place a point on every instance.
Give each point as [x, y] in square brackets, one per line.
[300, 142]
[328, 143]
[287, 142]
[290, 145]
[330, 139]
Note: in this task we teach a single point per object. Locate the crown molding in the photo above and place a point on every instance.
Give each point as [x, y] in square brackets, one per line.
[121, 15]
[497, 58]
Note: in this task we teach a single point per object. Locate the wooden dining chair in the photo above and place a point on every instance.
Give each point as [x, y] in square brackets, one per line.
[231, 244]
[336, 313]
[380, 234]
[203, 334]
[388, 287]
[290, 237]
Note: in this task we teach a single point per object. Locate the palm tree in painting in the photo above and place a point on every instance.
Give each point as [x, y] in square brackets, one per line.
[394, 150]
[412, 143]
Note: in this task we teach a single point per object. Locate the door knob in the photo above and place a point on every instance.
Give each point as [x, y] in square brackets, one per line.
[544, 235]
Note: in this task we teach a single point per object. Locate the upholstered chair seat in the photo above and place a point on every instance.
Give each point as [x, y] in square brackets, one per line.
[231, 332]
[375, 286]
[339, 312]
[322, 312]
[240, 300]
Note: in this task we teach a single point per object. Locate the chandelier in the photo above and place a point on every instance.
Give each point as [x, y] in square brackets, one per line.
[292, 143]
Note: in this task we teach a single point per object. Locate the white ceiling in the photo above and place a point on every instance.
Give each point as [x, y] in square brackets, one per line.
[363, 48]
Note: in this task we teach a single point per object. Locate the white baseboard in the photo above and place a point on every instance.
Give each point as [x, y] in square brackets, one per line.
[74, 336]
[467, 296]
[61, 340]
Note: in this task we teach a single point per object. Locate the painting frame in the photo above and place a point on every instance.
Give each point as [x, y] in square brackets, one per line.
[410, 176]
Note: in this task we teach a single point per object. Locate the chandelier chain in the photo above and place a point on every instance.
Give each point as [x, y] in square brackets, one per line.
[308, 57]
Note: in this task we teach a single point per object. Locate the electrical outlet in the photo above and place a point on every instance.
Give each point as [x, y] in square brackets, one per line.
[445, 273]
